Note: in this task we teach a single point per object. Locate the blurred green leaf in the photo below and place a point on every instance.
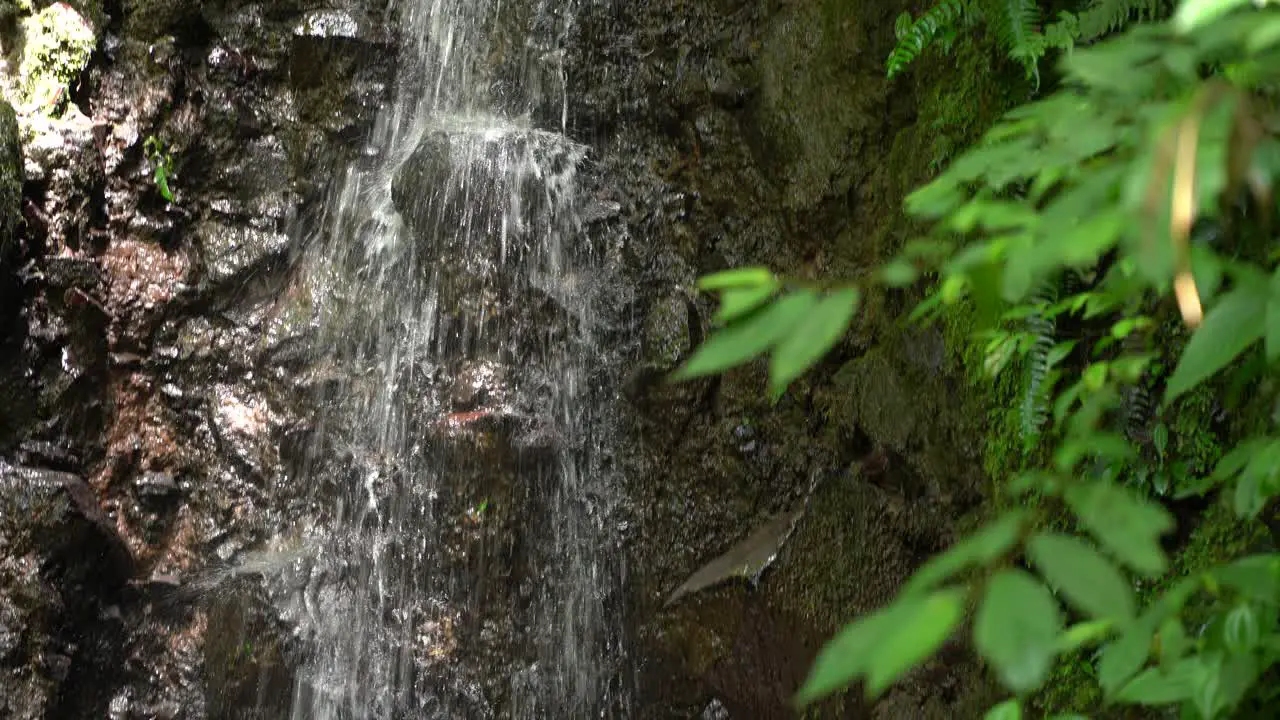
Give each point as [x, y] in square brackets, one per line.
[1193, 14]
[1010, 709]
[1241, 632]
[1083, 634]
[1229, 328]
[1016, 629]
[1119, 660]
[919, 630]
[816, 333]
[884, 645]
[1273, 319]
[1256, 577]
[1153, 686]
[743, 341]
[980, 548]
[1127, 526]
[1089, 581]
[738, 301]
[899, 273]
[847, 655]
[754, 276]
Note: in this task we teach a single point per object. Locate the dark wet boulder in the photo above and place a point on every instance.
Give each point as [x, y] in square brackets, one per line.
[61, 563]
[56, 516]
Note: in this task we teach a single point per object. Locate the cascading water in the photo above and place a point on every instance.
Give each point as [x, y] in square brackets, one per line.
[453, 563]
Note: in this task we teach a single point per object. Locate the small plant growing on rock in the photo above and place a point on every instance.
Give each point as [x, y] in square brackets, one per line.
[162, 161]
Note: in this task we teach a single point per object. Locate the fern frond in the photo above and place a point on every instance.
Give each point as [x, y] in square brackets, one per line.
[1035, 404]
[1062, 34]
[1107, 16]
[914, 37]
[1015, 23]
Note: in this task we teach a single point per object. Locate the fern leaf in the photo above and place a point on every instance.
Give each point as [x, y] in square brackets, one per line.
[1035, 406]
[1015, 23]
[913, 38]
[1107, 16]
[1062, 34]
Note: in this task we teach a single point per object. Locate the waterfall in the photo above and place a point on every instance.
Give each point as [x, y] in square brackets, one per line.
[452, 559]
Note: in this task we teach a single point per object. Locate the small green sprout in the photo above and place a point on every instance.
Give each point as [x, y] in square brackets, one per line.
[163, 163]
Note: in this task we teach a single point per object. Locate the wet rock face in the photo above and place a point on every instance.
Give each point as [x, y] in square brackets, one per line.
[64, 565]
[729, 134]
[152, 351]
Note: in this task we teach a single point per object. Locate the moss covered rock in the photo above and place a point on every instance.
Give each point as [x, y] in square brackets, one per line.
[58, 42]
[10, 178]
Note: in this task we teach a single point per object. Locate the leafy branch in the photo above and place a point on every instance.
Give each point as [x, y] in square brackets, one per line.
[1101, 182]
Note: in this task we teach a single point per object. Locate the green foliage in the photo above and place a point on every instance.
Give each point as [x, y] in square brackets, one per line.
[1039, 362]
[915, 35]
[799, 326]
[162, 162]
[1103, 17]
[1089, 581]
[1017, 629]
[1229, 329]
[1017, 26]
[886, 644]
[1094, 191]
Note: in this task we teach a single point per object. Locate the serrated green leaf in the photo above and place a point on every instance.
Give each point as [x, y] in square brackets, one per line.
[1229, 328]
[1088, 580]
[982, 547]
[1080, 244]
[1126, 525]
[1010, 709]
[1016, 629]
[743, 341]
[919, 630]
[753, 276]
[817, 332]
[738, 301]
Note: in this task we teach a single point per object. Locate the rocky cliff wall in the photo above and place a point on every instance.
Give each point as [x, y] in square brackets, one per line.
[158, 354]
[148, 371]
